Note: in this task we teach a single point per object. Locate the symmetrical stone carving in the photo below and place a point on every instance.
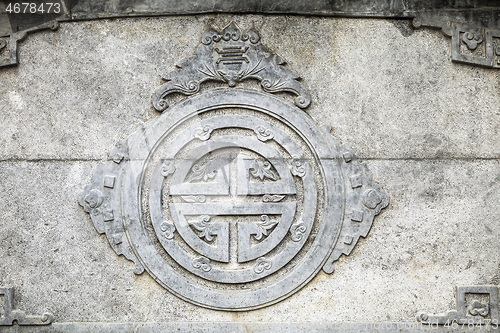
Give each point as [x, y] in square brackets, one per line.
[469, 44]
[477, 305]
[232, 187]
[231, 56]
[9, 315]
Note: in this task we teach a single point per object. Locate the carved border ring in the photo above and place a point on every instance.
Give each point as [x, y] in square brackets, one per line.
[322, 245]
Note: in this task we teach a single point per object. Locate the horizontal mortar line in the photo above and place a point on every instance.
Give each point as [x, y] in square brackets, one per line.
[41, 160]
[362, 158]
[428, 158]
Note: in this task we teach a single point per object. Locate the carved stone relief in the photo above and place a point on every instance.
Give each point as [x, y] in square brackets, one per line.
[232, 199]
[9, 53]
[481, 19]
[469, 44]
[476, 305]
[11, 315]
[231, 56]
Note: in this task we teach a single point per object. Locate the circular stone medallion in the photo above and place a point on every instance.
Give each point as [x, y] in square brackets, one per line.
[233, 199]
[235, 191]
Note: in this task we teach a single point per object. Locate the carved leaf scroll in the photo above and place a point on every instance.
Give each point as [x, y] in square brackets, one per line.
[262, 171]
[203, 172]
[231, 56]
[205, 228]
[264, 227]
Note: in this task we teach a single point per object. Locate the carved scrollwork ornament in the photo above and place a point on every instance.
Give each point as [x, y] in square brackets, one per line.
[233, 186]
[469, 44]
[472, 40]
[470, 310]
[231, 56]
[9, 314]
[16, 37]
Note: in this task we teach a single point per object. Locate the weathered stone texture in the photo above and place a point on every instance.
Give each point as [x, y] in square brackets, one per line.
[427, 128]
[440, 230]
[81, 89]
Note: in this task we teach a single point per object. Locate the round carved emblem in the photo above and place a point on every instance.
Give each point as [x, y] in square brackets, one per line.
[233, 199]
[232, 192]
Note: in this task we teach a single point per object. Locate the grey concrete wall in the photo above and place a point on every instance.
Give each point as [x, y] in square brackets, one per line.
[427, 128]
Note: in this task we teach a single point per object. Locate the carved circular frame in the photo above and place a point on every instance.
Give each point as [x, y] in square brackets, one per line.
[322, 246]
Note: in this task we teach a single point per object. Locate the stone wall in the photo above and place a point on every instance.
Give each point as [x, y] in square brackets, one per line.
[427, 128]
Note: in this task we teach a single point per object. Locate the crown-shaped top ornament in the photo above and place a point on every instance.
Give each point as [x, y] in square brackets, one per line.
[231, 56]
